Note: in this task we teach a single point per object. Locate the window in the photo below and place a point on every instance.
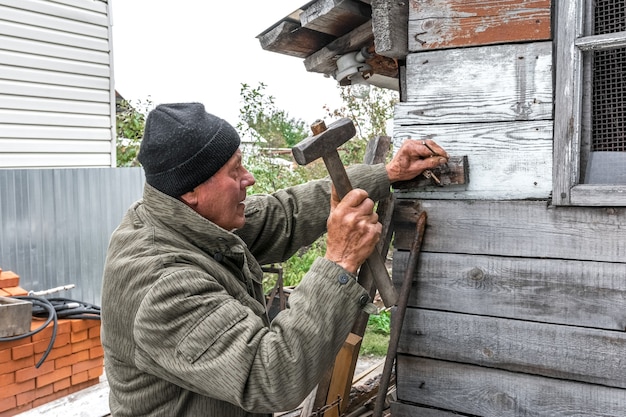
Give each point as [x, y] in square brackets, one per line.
[590, 103]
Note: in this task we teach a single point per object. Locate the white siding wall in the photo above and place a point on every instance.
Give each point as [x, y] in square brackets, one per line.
[57, 103]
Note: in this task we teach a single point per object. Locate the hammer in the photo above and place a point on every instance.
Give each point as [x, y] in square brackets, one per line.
[324, 144]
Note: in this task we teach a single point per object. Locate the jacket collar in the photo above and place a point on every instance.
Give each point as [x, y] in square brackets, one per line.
[180, 218]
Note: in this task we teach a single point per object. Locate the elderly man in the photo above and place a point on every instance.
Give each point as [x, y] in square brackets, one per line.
[185, 331]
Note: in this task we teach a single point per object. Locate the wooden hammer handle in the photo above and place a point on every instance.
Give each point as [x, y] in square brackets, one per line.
[375, 262]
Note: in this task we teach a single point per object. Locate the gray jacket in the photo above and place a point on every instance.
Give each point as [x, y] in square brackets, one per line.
[184, 327]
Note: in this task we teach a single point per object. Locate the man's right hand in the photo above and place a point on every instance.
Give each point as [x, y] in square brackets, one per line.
[353, 229]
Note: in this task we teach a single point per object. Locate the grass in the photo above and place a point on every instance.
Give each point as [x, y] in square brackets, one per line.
[376, 337]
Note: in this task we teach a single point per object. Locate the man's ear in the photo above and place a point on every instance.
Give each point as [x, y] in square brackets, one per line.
[190, 198]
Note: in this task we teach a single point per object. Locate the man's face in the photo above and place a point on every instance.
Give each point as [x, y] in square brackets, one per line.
[220, 199]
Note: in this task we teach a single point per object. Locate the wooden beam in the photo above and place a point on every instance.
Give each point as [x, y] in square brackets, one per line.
[289, 38]
[335, 17]
[324, 60]
[390, 21]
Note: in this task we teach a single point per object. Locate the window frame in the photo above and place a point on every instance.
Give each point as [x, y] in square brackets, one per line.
[569, 109]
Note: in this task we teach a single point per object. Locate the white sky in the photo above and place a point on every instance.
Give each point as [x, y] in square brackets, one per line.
[193, 50]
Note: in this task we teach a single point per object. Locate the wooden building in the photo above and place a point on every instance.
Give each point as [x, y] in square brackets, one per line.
[519, 302]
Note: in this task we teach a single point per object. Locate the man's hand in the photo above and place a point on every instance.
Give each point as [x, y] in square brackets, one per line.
[415, 157]
[353, 229]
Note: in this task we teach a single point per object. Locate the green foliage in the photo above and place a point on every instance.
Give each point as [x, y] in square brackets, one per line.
[268, 125]
[130, 121]
[296, 266]
[370, 109]
[376, 337]
[268, 134]
[380, 323]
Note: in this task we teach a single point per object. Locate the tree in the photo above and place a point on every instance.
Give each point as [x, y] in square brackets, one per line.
[130, 121]
[370, 108]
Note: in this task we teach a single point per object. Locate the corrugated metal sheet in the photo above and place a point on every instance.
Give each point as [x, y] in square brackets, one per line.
[55, 224]
[56, 84]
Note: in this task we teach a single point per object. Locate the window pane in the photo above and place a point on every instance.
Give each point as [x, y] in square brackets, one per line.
[606, 163]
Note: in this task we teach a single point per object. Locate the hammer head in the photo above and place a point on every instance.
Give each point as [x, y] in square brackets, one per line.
[324, 143]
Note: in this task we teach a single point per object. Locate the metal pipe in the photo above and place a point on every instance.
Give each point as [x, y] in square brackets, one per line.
[397, 315]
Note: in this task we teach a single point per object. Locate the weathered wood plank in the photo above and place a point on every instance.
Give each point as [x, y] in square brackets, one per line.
[495, 393]
[517, 228]
[568, 98]
[456, 23]
[506, 160]
[564, 352]
[390, 27]
[324, 60]
[485, 84]
[410, 410]
[335, 17]
[576, 293]
[289, 38]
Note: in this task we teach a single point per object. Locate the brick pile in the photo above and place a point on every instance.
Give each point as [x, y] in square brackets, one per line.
[74, 363]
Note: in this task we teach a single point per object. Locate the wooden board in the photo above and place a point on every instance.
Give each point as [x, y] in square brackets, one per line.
[575, 293]
[495, 393]
[485, 84]
[324, 60]
[390, 26]
[458, 23]
[289, 38]
[410, 410]
[343, 370]
[335, 17]
[528, 229]
[505, 160]
[563, 352]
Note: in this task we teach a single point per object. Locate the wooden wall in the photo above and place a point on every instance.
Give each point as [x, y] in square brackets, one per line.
[518, 307]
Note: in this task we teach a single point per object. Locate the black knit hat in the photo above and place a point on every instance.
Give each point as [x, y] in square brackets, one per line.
[183, 146]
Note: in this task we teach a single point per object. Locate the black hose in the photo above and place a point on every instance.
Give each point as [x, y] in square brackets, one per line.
[53, 309]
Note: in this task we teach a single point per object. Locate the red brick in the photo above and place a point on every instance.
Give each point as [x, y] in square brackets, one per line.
[83, 385]
[44, 391]
[5, 354]
[76, 337]
[22, 375]
[80, 377]
[26, 397]
[15, 291]
[94, 332]
[22, 351]
[6, 379]
[60, 352]
[14, 389]
[96, 352]
[13, 366]
[9, 279]
[96, 373]
[55, 376]
[3, 293]
[90, 364]
[13, 343]
[72, 359]
[84, 324]
[62, 384]
[85, 345]
[46, 333]
[8, 403]
[60, 341]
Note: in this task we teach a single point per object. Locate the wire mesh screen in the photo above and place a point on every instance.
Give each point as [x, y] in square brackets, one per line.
[609, 81]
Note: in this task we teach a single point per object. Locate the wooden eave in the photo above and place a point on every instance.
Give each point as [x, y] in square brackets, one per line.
[321, 31]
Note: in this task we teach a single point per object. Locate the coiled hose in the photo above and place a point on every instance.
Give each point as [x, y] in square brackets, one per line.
[52, 309]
